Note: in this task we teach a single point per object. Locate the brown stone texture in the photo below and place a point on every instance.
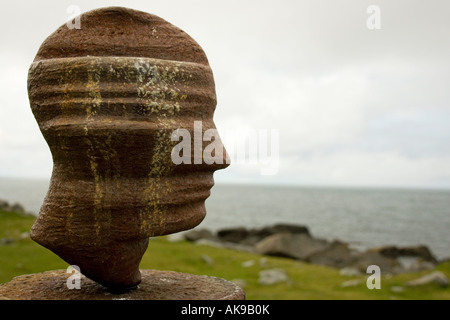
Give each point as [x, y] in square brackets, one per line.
[155, 285]
[107, 98]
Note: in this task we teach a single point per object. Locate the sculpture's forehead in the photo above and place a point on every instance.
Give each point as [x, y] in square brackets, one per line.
[116, 32]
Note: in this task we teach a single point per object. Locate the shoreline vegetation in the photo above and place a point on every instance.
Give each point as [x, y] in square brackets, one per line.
[276, 262]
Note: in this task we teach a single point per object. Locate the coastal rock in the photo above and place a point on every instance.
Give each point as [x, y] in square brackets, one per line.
[248, 263]
[207, 259]
[234, 235]
[24, 235]
[263, 262]
[4, 205]
[394, 252]
[18, 208]
[296, 242]
[296, 246]
[281, 228]
[436, 277]
[351, 283]
[362, 260]
[415, 264]
[272, 276]
[350, 272]
[6, 240]
[198, 234]
[337, 255]
[229, 245]
[395, 259]
[252, 236]
[397, 289]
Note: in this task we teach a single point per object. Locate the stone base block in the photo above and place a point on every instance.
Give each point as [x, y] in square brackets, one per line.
[155, 285]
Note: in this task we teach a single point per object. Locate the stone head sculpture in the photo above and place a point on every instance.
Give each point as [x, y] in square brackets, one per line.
[108, 98]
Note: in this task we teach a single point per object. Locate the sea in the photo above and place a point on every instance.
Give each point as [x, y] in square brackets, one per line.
[363, 217]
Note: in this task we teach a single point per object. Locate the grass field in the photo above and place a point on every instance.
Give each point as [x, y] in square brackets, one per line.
[20, 255]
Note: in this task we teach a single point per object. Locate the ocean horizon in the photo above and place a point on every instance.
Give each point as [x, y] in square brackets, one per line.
[364, 217]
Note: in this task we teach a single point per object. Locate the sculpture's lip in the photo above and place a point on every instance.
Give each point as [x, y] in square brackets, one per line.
[176, 188]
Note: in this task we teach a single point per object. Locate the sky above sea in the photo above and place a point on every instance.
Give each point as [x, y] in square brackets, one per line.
[351, 105]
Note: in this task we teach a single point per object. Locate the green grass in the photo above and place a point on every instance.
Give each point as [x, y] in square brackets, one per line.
[306, 281]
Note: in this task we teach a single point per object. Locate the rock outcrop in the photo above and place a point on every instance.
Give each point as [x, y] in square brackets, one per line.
[296, 242]
[15, 207]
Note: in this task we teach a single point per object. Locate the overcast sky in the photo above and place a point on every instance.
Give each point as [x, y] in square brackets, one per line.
[353, 106]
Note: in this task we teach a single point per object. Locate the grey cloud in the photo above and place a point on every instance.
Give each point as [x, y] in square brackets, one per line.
[312, 69]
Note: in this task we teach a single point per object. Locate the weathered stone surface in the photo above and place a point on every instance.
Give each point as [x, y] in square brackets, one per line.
[198, 234]
[350, 272]
[16, 208]
[282, 228]
[435, 277]
[155, 285]
[107, 98]
[234, 235]
[296, 242]
[270, 277]
[415, 264]
[387, 265]
[245, 236]
[297, 246]
[337, 255]
[351, 283]
[394, 252]
[4, 205]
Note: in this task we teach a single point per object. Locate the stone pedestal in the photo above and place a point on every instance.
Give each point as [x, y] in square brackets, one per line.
[155, 285]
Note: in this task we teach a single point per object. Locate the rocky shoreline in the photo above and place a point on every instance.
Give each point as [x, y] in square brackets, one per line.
[15, 207]
[296, 242]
